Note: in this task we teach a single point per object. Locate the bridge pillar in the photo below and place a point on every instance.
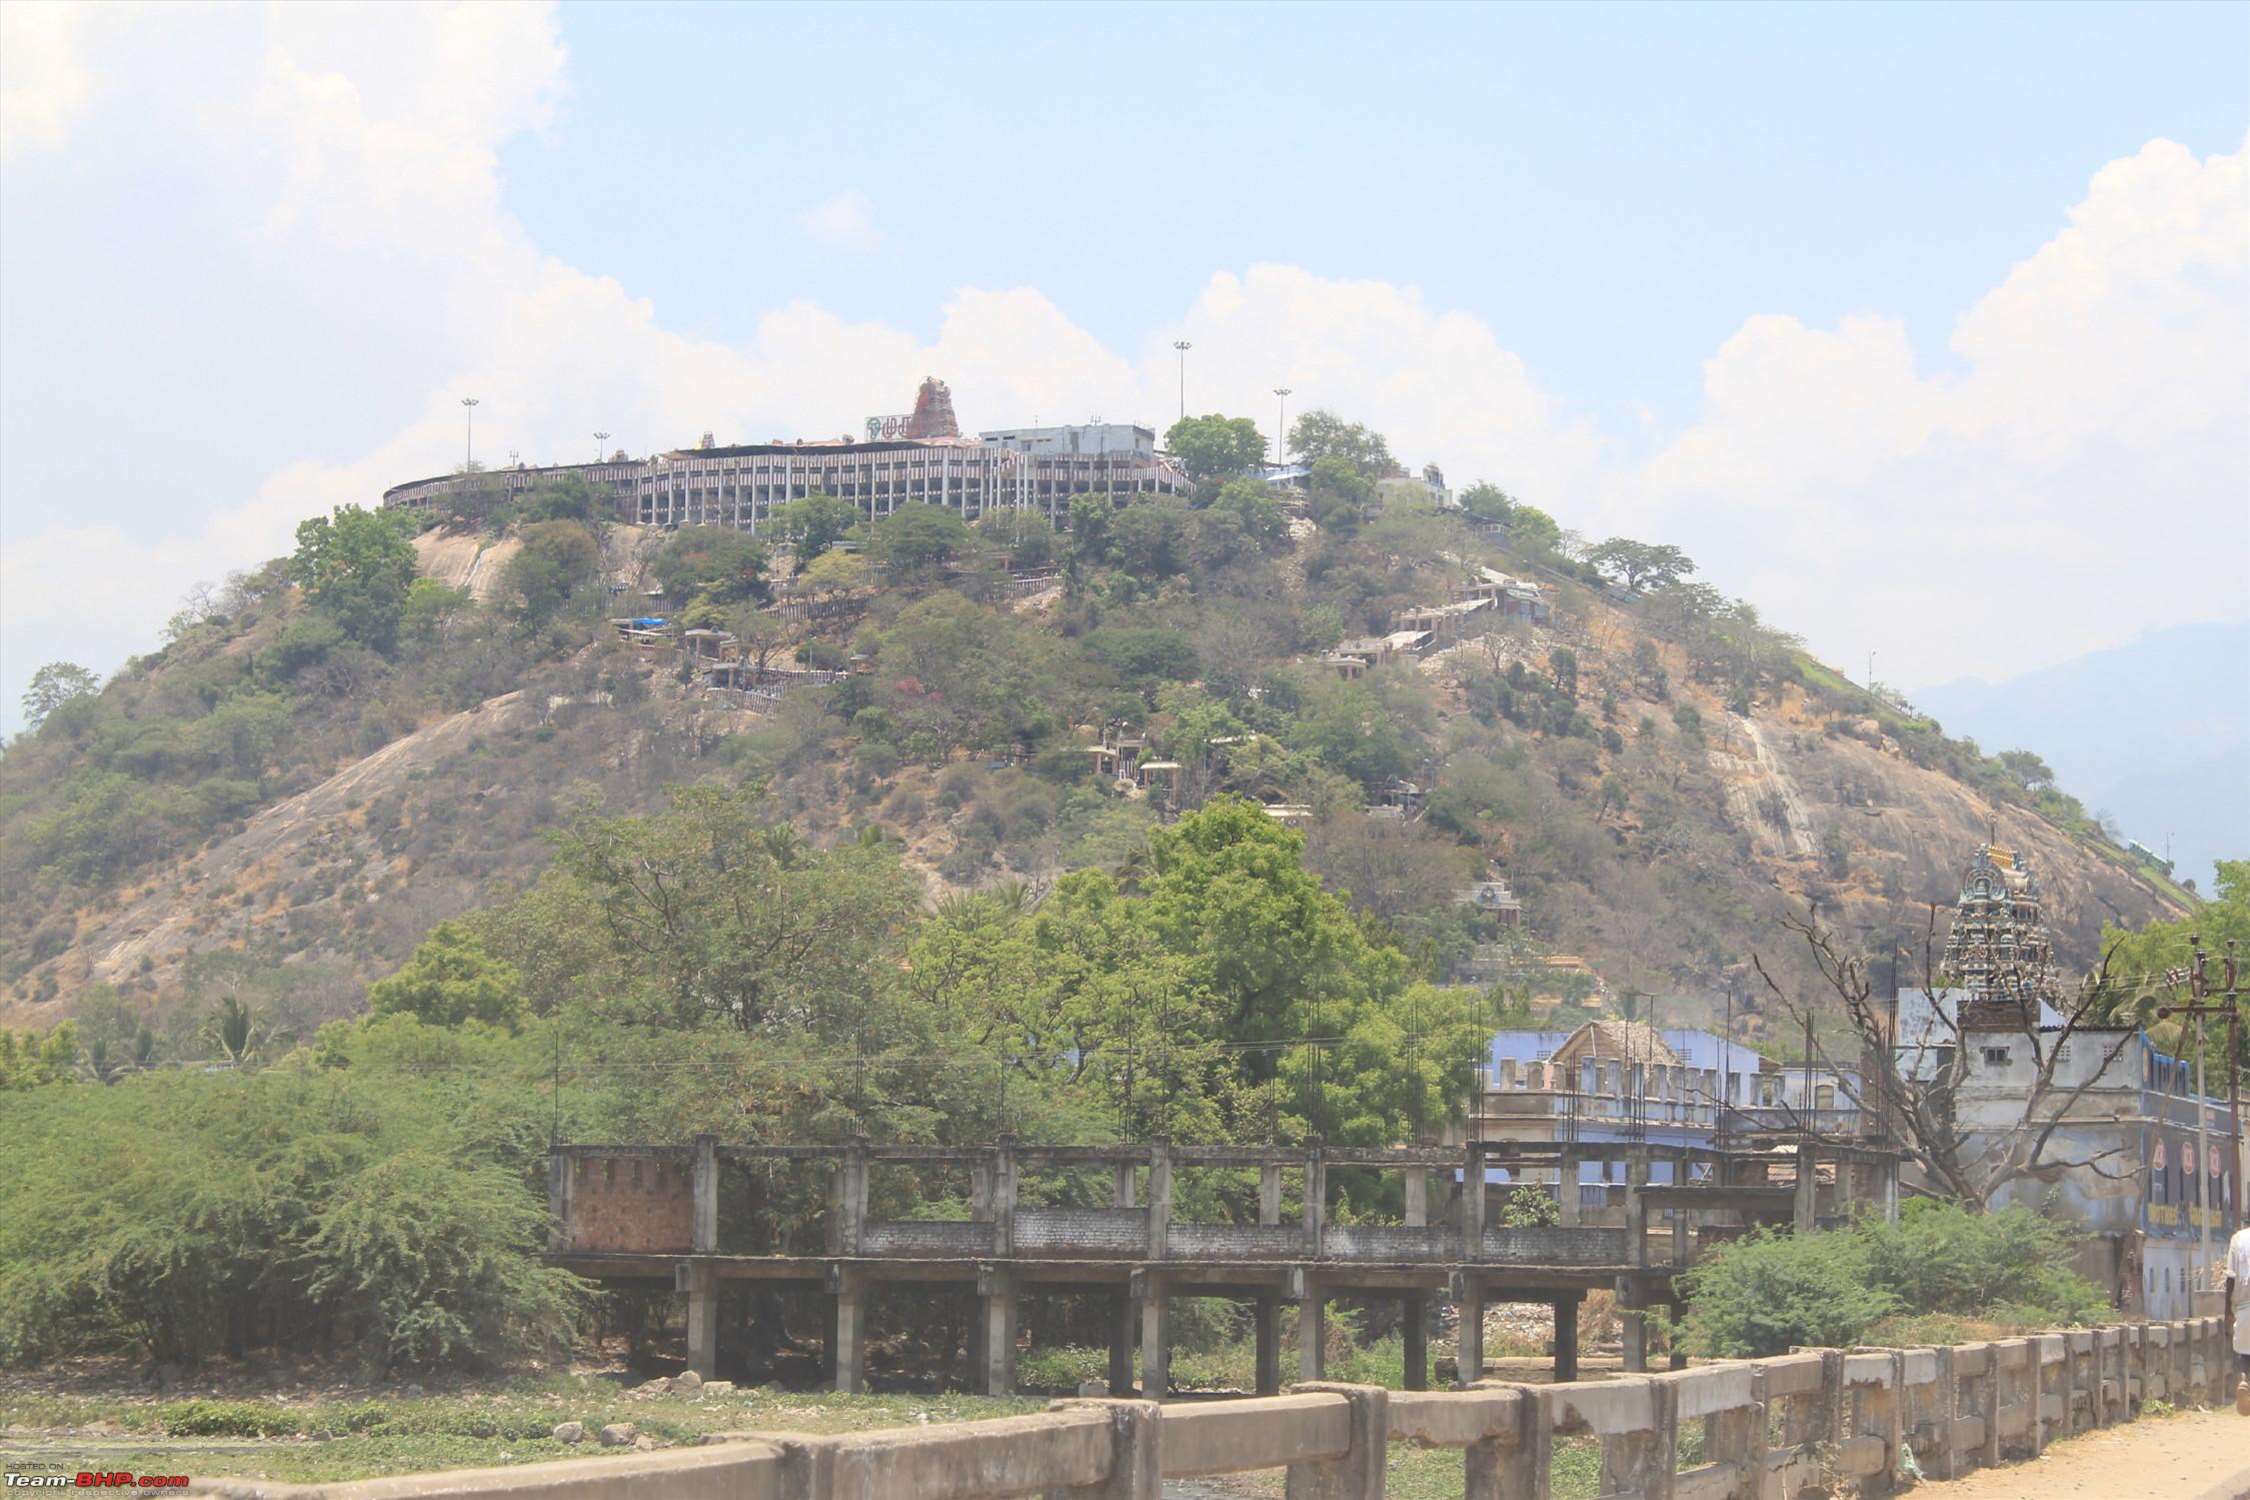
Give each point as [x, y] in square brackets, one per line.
[702, 1283]
[1122, 1315]
[1156, 1346]
[1468, 1297]
[848, 1337]
[996, 1294]
[1566, 1192]
[1267, 1314]
[1566, 1337]
[1414, 1332]
[1636, 1339]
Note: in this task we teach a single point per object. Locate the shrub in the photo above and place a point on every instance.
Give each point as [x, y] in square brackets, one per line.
[1769, 1291]
[1773, 1290]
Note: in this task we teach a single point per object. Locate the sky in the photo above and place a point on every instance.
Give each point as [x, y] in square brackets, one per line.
[1925, 328]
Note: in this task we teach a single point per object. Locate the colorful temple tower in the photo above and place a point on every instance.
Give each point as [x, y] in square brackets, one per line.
[1998, 948]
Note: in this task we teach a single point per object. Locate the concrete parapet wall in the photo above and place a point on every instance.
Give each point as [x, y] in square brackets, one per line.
[1770, 1427]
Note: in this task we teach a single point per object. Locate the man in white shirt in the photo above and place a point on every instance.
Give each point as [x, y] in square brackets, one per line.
[2238, 1312]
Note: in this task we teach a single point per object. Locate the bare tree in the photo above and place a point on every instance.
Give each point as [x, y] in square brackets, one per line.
[1918, 1085]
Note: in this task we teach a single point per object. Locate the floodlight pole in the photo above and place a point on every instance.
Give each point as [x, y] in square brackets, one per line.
[1183, 346]
[1281, 438]
[469, 440]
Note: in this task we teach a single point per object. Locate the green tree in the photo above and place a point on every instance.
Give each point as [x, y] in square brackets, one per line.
[356, 565]
[2030, 772]
[714, 910]
[1329, 1034]
[570, 497]
[1256, 509]
[916, 537]
[452, 978]
[1215, 448]
[1488, 502]
[560, 563]
[1338, 495]
[1641, 567]
[1320, 435]
[1532, 529]
[431, 609]
[1148, 539]
[2143, 965]
[235, 1031]
[716, 562]
[54, 685]
[815, 524]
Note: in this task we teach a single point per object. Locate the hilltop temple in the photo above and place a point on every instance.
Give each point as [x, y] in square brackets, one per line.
[918, 458]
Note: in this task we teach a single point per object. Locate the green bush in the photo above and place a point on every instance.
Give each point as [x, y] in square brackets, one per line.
[1772, 1290]
[360, 1209]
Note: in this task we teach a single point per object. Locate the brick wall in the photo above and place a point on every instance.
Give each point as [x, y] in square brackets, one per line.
[633, 1203]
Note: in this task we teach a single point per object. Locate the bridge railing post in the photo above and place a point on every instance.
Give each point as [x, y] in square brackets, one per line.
[1159, 1199]
[1472, 1201]
[1360, 1472]
[1316, 1199]
[1136, 1463]
[558, 1202]
[705, 1181]
[851, 1197]
[1004, 1196]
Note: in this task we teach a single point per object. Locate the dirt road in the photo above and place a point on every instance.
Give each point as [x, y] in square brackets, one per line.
[2202, 1455]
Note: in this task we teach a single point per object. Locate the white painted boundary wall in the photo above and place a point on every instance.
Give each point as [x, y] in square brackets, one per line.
[1771, 1427]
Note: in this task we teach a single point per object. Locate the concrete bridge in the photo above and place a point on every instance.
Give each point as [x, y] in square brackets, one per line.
[1100, 1220]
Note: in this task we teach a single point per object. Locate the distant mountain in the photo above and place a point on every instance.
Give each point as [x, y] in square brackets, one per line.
[2155, 732]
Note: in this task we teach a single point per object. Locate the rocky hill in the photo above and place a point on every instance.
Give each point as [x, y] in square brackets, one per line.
[268, 806]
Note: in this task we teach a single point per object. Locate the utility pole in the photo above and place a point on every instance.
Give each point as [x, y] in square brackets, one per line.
[469, 449]
[1726, 1066]
[1281, 440]
[1183, 346]
[2198, 987]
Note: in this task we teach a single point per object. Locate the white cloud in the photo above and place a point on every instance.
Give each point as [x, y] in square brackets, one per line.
[2084, 473]
[844, 222]
[44, 80]
[2079, 476]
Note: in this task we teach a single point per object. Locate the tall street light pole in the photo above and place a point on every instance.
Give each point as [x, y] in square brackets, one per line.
[1183, 346]
[601, 446]
[1281, 439]
[469, 448]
